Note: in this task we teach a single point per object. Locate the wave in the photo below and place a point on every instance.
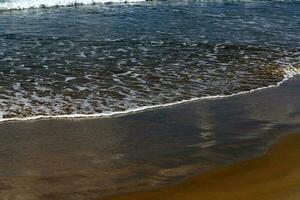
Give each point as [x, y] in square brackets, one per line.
[26, 4]
[289, 72]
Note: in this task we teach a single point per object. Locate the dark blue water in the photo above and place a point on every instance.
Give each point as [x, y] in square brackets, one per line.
[103, 58]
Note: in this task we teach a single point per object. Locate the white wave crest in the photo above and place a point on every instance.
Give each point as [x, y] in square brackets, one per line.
[25, 4]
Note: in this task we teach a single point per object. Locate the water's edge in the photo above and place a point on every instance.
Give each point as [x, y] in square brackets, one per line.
[289, 73]
[142, 151]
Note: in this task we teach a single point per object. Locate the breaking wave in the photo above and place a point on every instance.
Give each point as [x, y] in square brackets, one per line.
[26, 4]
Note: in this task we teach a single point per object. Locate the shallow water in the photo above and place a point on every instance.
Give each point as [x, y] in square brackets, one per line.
[105, 58]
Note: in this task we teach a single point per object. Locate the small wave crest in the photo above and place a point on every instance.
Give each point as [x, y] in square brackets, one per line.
[26, 4]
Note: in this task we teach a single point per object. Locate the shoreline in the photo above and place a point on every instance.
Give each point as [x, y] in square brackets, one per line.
[93, 158]
[271, 176]
[149, 100]
[289, 74]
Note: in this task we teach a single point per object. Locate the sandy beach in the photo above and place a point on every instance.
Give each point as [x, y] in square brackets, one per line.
[59, 159]
[273, 176]
[142, 99]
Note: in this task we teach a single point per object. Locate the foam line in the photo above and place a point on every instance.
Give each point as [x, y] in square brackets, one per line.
[26, 4]
[289, 73]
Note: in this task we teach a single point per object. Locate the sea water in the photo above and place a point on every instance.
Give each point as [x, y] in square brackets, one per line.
[82, 58]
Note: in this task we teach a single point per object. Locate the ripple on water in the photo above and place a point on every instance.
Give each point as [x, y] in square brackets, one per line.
[127, 57]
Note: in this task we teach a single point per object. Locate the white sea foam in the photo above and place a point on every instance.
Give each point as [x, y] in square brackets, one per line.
[290, 72]
[25, 4]
[69, 79]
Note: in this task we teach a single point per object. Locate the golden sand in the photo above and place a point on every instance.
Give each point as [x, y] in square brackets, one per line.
[273, 176]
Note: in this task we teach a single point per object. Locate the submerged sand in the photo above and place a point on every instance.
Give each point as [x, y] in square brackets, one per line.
[273, 176]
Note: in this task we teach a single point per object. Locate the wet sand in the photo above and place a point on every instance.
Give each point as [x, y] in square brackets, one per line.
[76, 159]
[273, 176]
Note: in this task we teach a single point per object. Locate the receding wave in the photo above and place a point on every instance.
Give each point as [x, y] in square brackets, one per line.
[289, 72]
[90, 78]
[25, 4]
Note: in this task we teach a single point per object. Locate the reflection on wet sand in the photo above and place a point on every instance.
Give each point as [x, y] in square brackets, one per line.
[87, 159]
[273, 176]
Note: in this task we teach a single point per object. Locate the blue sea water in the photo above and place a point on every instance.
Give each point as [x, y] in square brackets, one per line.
[68, 57]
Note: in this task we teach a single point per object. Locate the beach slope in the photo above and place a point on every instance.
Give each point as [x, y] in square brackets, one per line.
[273, 176]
